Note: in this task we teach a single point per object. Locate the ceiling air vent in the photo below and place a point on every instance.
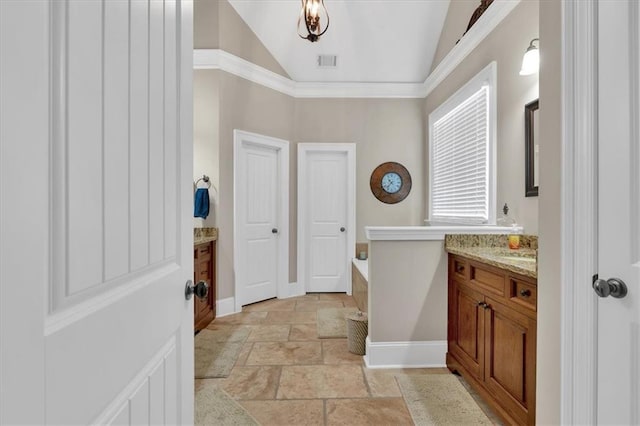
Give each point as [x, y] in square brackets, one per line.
[327, 61]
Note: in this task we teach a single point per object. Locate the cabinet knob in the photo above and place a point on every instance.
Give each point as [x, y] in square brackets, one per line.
[525, 292]
[274, 230]
[201, 290]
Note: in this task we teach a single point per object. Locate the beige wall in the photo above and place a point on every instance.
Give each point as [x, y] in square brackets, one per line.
[505, 45]
[252, 108]
[549, 257]
[223, 102]
[206, 144]
[205, 24]
[383, 130]
[407, 294]
[455, 24]
[217, 25]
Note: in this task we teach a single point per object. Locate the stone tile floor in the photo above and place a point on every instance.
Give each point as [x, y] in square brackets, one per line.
[285, 375]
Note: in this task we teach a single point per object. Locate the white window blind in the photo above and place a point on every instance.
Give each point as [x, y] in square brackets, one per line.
[460, 162]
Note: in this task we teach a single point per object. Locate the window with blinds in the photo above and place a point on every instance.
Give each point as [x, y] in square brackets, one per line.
[461, 176]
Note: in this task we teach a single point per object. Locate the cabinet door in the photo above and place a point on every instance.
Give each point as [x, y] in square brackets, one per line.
[203, 270]
[213, 280]
[466, 331]
[510, 342]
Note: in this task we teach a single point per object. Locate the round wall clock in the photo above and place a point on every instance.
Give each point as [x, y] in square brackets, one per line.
[390, 182]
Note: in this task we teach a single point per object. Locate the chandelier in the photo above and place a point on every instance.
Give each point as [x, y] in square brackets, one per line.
[311, 13]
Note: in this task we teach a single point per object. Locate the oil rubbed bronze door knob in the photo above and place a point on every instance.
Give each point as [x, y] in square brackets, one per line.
[201, 290]
[614, 287]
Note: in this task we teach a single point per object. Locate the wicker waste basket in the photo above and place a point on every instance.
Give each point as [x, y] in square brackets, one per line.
[357, 330]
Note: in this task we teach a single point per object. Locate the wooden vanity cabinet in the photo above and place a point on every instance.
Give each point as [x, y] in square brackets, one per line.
[492, 336]
[204, 310]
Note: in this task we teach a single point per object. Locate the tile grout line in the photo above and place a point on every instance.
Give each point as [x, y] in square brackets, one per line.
[275, 396]
[324, 411]
[366, 381]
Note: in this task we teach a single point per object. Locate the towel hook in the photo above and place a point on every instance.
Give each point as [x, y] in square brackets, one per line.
[205, 179]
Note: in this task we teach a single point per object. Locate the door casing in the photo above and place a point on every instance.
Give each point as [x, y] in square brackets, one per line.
[579, 194]
[304, 149]
[281, 146]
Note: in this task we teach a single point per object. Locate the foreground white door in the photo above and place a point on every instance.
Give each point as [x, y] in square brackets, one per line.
[261, 182]
[326, 216]
[618, 385]
[95, 212]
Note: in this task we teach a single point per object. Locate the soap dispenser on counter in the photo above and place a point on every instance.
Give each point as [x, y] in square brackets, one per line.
[506, 220]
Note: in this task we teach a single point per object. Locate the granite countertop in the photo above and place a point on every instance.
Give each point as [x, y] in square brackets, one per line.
[204, 235]
[494, 251]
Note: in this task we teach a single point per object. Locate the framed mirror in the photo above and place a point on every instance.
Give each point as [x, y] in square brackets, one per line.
[531, 148]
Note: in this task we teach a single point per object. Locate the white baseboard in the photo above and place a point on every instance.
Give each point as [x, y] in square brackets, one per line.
[225, 307]
[296, 289]
[429, 354]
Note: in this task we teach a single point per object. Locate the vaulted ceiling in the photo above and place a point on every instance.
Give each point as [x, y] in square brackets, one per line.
[391, 41]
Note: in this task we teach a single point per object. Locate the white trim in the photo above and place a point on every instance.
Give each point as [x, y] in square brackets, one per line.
[427, 354]
[303, 150]
[362, 265]
[116, 405]
[282, 147]
[579, 194]
[489, 20]
[226, 307]
[296, 289]
[225, 61]
[432, 233]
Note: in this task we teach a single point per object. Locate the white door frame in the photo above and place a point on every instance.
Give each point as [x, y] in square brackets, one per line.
[579, 188]
[240, 137]
[303, 238]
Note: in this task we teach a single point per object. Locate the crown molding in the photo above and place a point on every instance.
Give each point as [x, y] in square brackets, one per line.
[489, 20]
[225, 61]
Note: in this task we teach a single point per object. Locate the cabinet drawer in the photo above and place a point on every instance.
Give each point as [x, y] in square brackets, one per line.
[459, 268]
[202, 251]
[487, 278]
[523, 293]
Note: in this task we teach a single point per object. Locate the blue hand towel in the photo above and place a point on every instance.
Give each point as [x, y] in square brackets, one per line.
[201, 203]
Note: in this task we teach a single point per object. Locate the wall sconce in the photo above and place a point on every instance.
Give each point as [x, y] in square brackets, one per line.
[531, 59]
[312, 11]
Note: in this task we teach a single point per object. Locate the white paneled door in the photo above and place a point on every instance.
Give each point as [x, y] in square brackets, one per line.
[261, 217]
[95, 212]
[618, 383]
[326, 216]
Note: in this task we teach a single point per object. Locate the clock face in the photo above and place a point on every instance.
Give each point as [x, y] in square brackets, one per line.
[391, 182]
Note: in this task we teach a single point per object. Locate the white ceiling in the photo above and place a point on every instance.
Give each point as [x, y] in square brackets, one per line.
[391, 41]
